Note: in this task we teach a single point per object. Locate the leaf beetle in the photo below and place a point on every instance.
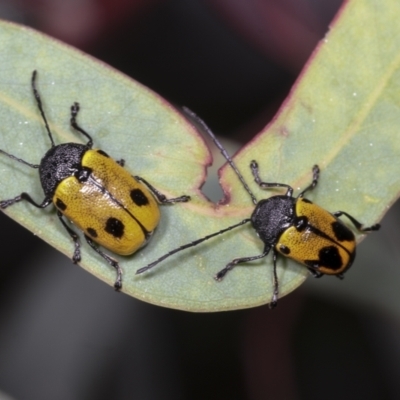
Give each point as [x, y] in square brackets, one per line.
[290, 226]
[110, 206]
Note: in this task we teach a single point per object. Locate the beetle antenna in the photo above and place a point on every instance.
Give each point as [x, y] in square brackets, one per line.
[39, 103]
[221, 148]
[191, 244]
[20, 160]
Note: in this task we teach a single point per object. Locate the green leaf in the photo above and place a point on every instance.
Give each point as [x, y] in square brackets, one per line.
[342, 114]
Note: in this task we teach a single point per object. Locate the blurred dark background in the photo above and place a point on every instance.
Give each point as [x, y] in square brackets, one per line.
[66, 335]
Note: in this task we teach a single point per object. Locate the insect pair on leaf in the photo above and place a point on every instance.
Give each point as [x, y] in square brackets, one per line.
[122, 214]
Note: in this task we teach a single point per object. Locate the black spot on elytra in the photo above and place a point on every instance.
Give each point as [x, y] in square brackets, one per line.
[139, 198]
[61, 205]
[307, 201]
[114, 227]
[284, 249]
[92, 232]
[103, 153]
[342, 233]
[329, 257]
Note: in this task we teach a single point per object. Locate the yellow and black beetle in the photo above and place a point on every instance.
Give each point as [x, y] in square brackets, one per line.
[112, 208]
[292, 226]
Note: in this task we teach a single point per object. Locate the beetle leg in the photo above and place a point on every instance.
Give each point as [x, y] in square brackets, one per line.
[314, 182]
[357, 224]
[315, 273]
[267, 185]
[161, 197]
[75, 238]
[111, 261]
[28, 198]
[74, 113]
[221, 274]
[274, 299]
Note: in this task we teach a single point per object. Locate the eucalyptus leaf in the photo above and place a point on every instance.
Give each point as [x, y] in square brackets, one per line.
[343, 114]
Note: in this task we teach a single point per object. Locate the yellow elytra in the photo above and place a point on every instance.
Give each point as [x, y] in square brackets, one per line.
[325, 244]
[111, 206]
